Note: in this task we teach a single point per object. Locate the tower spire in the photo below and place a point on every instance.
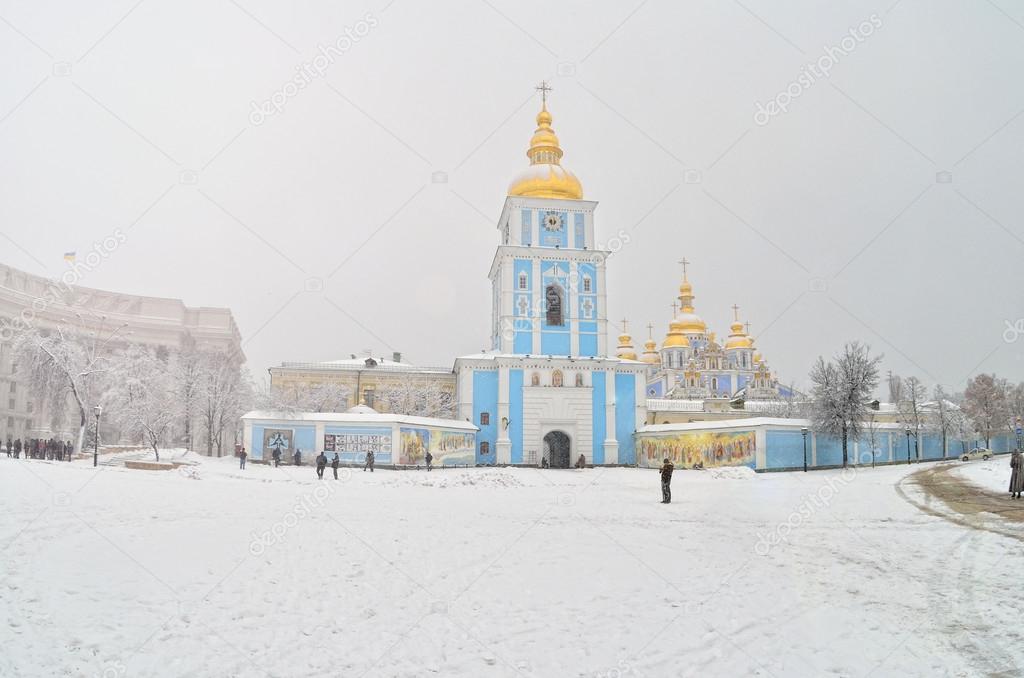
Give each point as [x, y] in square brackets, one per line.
[544, 88]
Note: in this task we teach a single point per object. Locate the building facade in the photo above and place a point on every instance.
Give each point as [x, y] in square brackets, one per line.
[31, 301]
[547, 392]
[376, 382]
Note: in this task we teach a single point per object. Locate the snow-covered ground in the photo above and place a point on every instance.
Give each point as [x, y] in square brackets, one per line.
[993, 474]
[212, 571]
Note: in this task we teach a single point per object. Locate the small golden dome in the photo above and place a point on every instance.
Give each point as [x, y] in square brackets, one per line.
[545, 177]
[737, 337]
[625, 350]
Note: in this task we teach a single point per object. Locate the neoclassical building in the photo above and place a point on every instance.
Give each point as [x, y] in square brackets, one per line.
[162, 323]
[548, 388]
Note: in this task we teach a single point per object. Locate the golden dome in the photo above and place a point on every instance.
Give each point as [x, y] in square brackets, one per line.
[675, 337]
[625, 350]
[651, 352]
[738, 338]
[545, 177]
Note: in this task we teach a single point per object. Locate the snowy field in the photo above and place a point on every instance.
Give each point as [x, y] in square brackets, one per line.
[495, 572]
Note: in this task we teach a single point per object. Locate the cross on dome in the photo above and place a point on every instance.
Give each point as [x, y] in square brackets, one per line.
[544, 88]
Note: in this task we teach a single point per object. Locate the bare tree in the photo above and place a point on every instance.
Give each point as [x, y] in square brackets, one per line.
[841, 391]
[911, 395]
[221, 391]
[419, 398]
[65, 365]
[941, 417]
[187, 372]
[986, 404]
[143, 397]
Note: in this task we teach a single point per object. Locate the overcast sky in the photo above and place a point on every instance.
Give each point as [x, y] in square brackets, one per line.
[827, 222]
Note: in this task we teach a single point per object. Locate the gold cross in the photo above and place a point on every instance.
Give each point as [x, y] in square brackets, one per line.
[625, 329]
[685, 263]
[747, 326]
[674, 307]
[543, 88]
[650, 331]
[735, 312]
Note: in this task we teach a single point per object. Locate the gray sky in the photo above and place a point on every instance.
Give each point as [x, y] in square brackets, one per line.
[825, 224]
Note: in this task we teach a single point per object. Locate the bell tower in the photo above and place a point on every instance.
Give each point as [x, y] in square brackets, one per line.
[548, 276]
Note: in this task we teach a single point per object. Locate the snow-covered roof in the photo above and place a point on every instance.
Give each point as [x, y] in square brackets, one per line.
[674, 405]
[352, 364]
[496, 355]
[360, 417]
[751, 422]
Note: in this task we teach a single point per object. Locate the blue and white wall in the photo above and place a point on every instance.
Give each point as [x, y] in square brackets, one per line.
[535, 254]
[517, 400]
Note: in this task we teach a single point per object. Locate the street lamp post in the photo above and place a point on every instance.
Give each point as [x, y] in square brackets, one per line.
[908, 444]
[96, 437]
[803, 432]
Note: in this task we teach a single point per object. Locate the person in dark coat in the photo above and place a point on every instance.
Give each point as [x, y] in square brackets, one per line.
[9, 446]
[581, 462]
[241, 458]
[69, 448]
[430, 460]
[297, 457]
[277, 457]
[369, 461]
[334, 465]
[1017, 475]
[666, 482]
[17, 448]
[321, 464]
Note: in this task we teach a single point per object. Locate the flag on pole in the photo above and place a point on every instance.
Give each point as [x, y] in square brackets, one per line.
[69, 257]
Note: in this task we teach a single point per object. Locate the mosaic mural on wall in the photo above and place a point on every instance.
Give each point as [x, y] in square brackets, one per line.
[352, 444]
[448, 448]
[701, 447]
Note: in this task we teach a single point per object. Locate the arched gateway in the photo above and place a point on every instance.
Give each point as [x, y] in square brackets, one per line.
[558, 449]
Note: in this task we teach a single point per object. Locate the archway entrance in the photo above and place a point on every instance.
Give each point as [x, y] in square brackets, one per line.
[558, 449]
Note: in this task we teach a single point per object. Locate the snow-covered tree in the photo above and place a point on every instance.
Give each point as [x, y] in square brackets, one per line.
[842, 389]
[419, 399]
[223, 394]
[787, 405]
[187, 371]
[143, 397]
[65, 365]
[911, 394]
[319, 397]
[985, 402]
[941, 416]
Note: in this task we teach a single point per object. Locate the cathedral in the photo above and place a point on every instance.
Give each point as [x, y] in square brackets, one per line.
[692, 365]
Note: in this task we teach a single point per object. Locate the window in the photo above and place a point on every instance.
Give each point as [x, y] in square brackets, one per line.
[485, 449]
[10, 404]
[714, 384]
[553, 297]
[586, 283]
[368, 397]
[14, 387]
[485, 418]
[522, 281]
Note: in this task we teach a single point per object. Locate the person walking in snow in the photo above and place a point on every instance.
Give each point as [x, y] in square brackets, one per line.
[666, 482]
[277, 457]
[17, 448]
[334, 465]
[429, 459]
[321, 464]
[1017, 475]
[369, 461]
[8, 445]
[241, 458]
[581, 463]
[297, 457]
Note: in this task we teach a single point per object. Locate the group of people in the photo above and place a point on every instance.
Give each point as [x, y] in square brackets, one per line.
[40, 448]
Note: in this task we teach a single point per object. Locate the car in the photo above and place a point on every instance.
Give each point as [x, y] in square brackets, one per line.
[977, 453]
